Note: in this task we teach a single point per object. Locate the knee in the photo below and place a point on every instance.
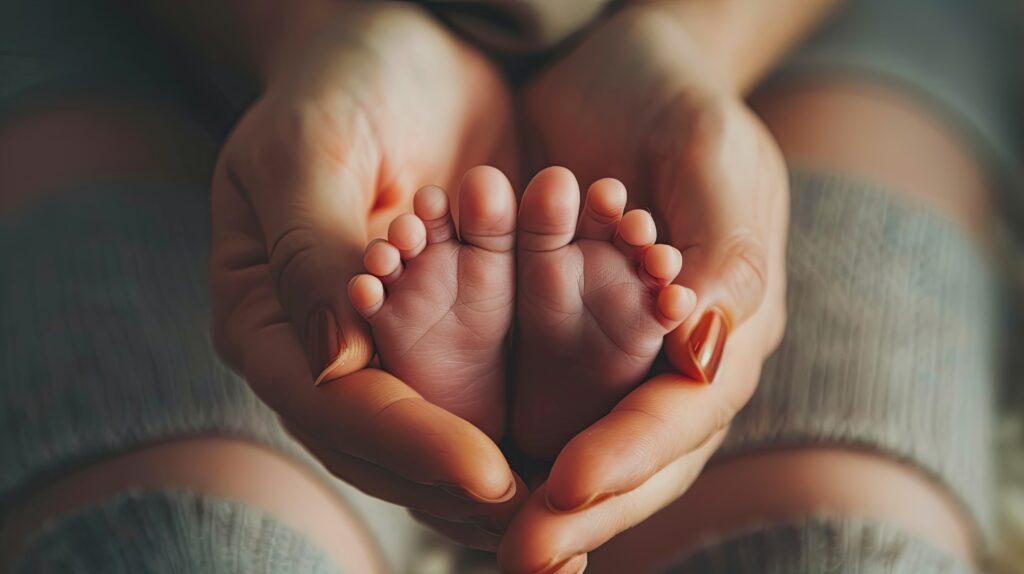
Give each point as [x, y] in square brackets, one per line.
[201, 504]
[82, 141]
[882, 134]
[801, 510]
[838, 482]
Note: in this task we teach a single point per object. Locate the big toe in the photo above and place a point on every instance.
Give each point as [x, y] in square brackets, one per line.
[487, 209]
[549, 210]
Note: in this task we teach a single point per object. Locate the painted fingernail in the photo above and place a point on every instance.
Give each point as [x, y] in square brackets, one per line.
[325, 343]
[705, 347]
[594, 499]
[573, 565]
[459, 491]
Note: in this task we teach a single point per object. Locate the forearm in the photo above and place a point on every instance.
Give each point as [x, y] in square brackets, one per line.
[744, 39]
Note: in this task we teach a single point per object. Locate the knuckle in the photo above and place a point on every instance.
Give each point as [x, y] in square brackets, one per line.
[746, 273]
[290, 258]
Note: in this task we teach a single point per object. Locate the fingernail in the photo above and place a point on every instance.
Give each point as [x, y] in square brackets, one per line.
[594, 499]
[324, 343]
[574, 565]
[459, 491]
[705, 346]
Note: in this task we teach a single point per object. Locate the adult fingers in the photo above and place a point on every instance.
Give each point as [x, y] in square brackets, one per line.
[372, 416]
[447, 503]
[540, 538]
[369, 414]
[658, 422]
[725, 201]
[305, 180]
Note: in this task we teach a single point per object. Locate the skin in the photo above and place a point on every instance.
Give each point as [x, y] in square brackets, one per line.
[844, 126]
[327, 157]
[449, 303]
[676, 139]
[594, 303]
[93, 138]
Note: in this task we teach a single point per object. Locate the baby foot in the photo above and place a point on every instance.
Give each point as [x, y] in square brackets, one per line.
[440, 306]
[594, 299]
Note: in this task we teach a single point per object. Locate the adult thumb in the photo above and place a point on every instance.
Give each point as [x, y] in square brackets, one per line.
[314, 228]
[729, 277]
[311, 265]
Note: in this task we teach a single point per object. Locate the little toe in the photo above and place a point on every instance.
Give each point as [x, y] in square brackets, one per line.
[431, 205]
[383, 260]
[549, 210]
[636, 233]
[487, 210]
[661, 264]
[675, 303]
[602, 210]
[408, 234]
[366, 293]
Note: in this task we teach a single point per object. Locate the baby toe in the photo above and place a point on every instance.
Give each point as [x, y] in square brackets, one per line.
[487, 210]
[549, 210]
[383, 260]
[636, 233]
[366, 293]
[675, 303]
[431, 205]
[408, 234]
[661, 264]
[602, 210]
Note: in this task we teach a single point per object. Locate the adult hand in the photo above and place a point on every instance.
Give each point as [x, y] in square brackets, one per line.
[635, 101]
[363, 103]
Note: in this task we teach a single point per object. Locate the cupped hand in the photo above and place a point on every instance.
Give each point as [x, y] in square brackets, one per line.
[362, 104]
[635, 101]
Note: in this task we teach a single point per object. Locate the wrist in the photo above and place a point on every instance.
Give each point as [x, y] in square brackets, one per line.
[742, 40]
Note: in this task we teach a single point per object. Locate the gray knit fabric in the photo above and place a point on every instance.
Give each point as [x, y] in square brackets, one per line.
[105, 347]
[168, 532]
[888, 345]
[815, 546]
[104, 332]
